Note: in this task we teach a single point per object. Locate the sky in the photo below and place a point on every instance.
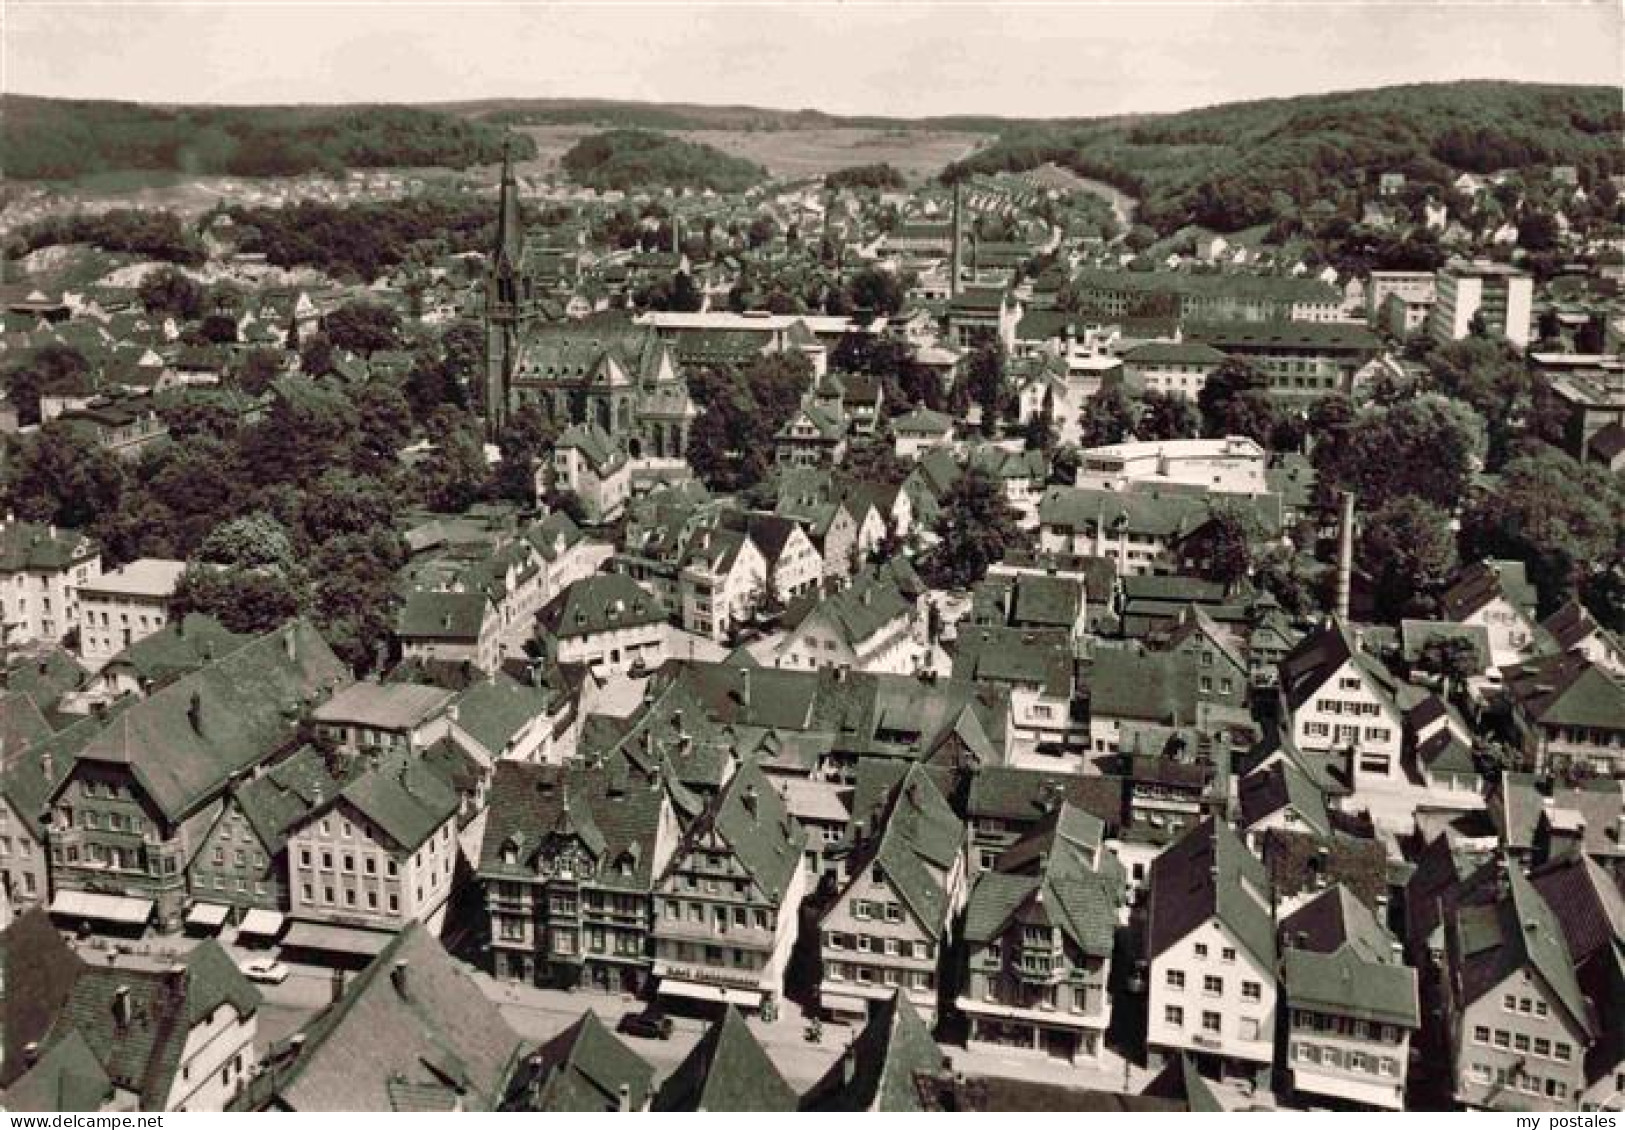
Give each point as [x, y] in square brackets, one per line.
[902, 58]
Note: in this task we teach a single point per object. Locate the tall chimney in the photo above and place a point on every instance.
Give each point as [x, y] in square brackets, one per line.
[1345, 557]
[958, 238]
[624, 1098]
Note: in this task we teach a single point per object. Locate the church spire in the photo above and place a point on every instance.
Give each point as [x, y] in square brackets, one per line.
[510, 228]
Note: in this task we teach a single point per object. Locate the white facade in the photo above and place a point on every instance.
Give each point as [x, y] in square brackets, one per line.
[1233, 465]
[1502, 296]
[126, 605]
[1349, 711]
[344, 869]
[216, 1061]
[1210, 996]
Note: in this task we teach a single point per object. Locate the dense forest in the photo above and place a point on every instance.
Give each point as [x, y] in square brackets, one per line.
[363, 241]
[627, 159]
[880, 175]
[51, 139]
[1233, 166]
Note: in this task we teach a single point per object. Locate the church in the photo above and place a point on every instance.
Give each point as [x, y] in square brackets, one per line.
[604, 371]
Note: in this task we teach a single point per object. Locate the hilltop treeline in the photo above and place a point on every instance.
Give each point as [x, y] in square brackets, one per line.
[630, 158]
[51, 139]
[1230, 167]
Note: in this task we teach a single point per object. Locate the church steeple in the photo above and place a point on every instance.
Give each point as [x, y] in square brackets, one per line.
[510, 228]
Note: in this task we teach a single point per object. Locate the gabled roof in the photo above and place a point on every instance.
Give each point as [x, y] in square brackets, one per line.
[1016, 795]
[1283, 786]
[1567, 690]
[384, 706]
[877, 1071]
[751, 818]
[584, 1069]
[1320, 655]
[407, 799]
[1483, 582]
[187, 740]
[614, 811]
[1208, 874]
[412, 1019]
[914, 848]
[493, 710]
[428, 614]
[1486, 943]
[603, 602]
[595, 445]
[727, 1071]
[277, 801]
[1048, 878]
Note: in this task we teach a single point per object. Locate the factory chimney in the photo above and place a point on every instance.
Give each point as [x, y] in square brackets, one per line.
[958, 238]
[1345, 557]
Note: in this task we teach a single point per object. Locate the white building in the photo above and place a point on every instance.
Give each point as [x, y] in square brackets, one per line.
[1232, 465]
[1338, 699]
[1501, 296]
[1210, 941]
[129, 604]
[41, 569]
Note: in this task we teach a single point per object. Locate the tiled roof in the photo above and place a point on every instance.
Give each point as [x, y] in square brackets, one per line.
[584, 1069]
[602, 602]
[728, 1070]
[914, 844]
[1567, 690]
[386, 706]
[407, 800]
[276, 801]
[1021, 796]
[430, 615]
[615, 811]
[877, 1071]
[493, 710]
[185, 741]
[33, 547]
[412, 1017]
[1209, 874]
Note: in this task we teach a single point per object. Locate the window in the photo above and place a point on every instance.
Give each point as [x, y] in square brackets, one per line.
[1210, 1022]
[1213, 986]
[1173, 1015]
[1252, 991]
[1509, 1003]
[1503, 1039]
[1481, 1034]
[1201, 949]
[1228, 953]
[1176, 978]
[1563, 1052]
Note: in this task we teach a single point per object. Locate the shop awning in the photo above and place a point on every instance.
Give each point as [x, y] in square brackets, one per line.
[335, 939]
[743, 998]
[261, 923]
[103, 908]
[210, 915]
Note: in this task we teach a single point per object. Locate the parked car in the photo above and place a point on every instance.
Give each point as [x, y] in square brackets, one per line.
[266, 971]
[650, 1025]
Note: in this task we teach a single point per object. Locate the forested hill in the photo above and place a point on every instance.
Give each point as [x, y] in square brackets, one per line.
[635, 158]
[52, 139]
[1232, 166]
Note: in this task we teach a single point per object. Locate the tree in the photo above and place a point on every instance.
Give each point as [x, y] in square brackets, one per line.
[1227, 558]
[167, 291]
[384, 425]
[251, 601]
[254, 541]
[1566, 520]
[874, 461]
[1280, 572]
[257, 369]
[353, 595]
[62, 476]
[316, 355]
[1108, 417]
[340, 504]
[526, 436]
[49, 369]
[1064, 464]
[362, 327]
[1454, 659]
[1429, 447]
[1490, 377]
[1407, 548]
[1166, 416]
[1235, 401]
[984, 381]
[454, 475]
[975, 528]
[882, 292]
[218, 329]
